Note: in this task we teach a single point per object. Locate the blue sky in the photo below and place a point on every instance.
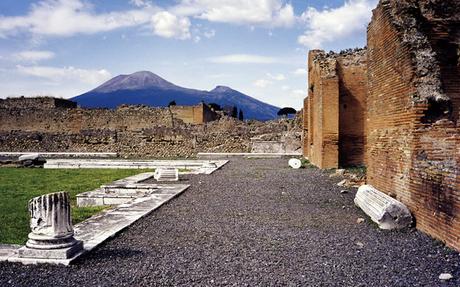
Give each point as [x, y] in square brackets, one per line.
[66, 47]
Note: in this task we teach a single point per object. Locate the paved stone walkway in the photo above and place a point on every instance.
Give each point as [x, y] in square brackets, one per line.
[254, 223]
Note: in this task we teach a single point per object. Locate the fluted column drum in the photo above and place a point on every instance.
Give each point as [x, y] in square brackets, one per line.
[50, 222]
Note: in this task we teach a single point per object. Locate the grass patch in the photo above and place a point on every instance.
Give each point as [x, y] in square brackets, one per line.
[19, 185]
[359, 170]
[306, 163]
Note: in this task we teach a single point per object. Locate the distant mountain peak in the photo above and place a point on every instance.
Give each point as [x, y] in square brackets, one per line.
[147, 88]
[135, 81]
[222, 89]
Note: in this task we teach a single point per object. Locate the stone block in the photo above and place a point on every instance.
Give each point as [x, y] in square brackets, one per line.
[61, 253]
[295, 163]
[167, 174]
[31, 156]
[384, 210]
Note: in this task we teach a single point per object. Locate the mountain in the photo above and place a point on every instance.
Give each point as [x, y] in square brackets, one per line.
[147, 88]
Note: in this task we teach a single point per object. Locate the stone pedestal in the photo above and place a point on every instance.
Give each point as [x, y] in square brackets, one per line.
[52, 235]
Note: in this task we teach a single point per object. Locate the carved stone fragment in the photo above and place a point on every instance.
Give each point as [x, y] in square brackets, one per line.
[295, 163]
[52, 234]
[384, 210]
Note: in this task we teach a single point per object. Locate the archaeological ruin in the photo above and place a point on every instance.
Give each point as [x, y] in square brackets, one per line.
[335, 108]
[56, 125]
[395, 108]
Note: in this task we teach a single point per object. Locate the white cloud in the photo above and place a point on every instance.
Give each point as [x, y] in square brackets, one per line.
[300, 72]
[271, 13]
[262, 83]
[33, 56]
[93, 77]
[337, 23]
[277, 77]
[168, 25]
[209, 34]
[141, 3]
[70, 17]
[65, 18]
[243, 59]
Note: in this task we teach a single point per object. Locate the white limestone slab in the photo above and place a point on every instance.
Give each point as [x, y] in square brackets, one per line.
[205, 155]
[29, 156]
[194, 166]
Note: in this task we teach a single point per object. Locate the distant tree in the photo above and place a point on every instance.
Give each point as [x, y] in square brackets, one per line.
[286, 111]
[215, 107]
[172, 103]
[240, 115]
[235, 112]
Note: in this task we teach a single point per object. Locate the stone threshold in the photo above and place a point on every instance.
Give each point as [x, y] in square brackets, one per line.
[193, 166]
[102, 226]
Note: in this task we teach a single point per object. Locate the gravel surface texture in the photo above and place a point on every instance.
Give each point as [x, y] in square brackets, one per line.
[254, 223]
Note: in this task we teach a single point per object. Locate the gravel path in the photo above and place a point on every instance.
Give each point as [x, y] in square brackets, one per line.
[254, 223]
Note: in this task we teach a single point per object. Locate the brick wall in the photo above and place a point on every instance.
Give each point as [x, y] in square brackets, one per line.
[352, 73]
[322, 110]
[198, 114]
[413, 141]
[336, 102]
[305, 127]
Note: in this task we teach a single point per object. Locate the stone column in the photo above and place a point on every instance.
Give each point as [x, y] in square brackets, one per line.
[52, 233]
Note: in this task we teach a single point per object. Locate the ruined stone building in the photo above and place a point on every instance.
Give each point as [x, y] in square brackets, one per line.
[56, 125]
[411, 105]
[335, 108]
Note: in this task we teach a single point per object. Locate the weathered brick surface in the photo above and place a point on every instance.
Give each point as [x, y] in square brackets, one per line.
[413, 141]
[352, 73]
[398, 112]
[336, 102]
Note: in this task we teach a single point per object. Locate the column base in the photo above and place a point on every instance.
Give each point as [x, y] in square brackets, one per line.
[61, 253]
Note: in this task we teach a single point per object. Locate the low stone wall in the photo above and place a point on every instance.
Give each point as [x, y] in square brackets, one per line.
[182, 140]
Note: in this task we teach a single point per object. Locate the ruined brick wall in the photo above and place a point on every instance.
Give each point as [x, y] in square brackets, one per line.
[137, 131]
[36, 103]
[323, 98]
[28, 118]
[199, 114]
[352, 74]
[75, 120]
[335, 107]
[182, 140]
[413, 140]
[305, 127]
